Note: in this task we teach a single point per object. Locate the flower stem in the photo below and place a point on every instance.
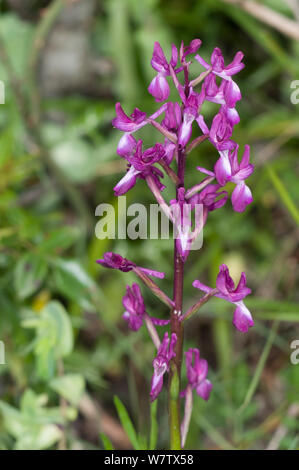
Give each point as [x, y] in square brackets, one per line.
[187, 415]
[152, 331]
[174, 409]
[177, 328]
[192, 310]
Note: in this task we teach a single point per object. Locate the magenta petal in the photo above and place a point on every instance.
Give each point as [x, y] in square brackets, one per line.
[183, 245]
[127, 182]
[201, 122]
[202, 61]
[242, 318]
[192, 48]
[236, 65]
[122, 121]
[243, 174]
[211, 87]
[224, 281]
[241, 197]
[126, 123]
[161, 363]
[217, 60]
[204, 389]
[152, 272]
[222, 170]
[169, 148]
[199, 285]
[159, 88]
[232, 93]
[157, 383]
[134, 321]
[159, 62]
[231, 115]
[246, 157]
[174, 56]
[205, 171]
[185, 132]
[126, 145]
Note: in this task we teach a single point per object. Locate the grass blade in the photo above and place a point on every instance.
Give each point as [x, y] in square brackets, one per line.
[106, 442]
[283, 193]
[259, 369]
[154, 426]
[126, 423]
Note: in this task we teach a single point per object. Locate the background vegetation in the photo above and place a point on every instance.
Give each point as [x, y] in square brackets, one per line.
[68, 351]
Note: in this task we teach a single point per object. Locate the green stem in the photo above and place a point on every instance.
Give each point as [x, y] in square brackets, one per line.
[177, 328]
[174, 411]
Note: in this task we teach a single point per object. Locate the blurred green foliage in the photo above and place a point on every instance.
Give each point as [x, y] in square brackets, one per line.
[61, 313]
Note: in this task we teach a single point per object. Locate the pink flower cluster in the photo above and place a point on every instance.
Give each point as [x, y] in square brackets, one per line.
[176, 125]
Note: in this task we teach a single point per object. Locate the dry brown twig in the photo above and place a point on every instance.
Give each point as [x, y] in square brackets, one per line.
[282, 430]
[271, 17]
[100, 421]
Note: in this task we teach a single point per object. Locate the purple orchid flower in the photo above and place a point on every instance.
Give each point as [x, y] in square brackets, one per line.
[181, 216]
[141, 166]
[181, 212]
[191, 112]
[127, 145]
[218, 94]
[135, 309]
[241, 195]
[114, 261]
[190, 49]
[221, 132]
[230, 89]
[159, 87]
[161, 364]
[211, 199]
[242, 319]
[170, 149]
[228, 168]
[197, 374]
[128, 123]
[173, 117]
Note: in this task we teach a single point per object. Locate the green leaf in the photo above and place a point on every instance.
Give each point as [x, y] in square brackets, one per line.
[72, 280]
[56, 319]
[260, 367]
[59, 239]
[30, 272]
[54, 337]
[76, 158]
[33, 426]
[106, 441]
[127, 423]
[70, 386]
[154, 426]
[17, 36]
[42, 439]
[283, 193]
